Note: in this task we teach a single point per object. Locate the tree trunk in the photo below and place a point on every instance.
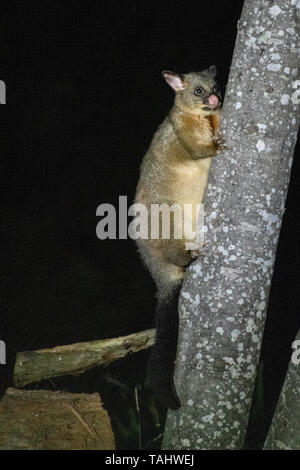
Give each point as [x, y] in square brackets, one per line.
[224, 297]
[284, 433]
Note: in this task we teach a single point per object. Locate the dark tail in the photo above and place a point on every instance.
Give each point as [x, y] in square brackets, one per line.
[160, 370]
[7, 371]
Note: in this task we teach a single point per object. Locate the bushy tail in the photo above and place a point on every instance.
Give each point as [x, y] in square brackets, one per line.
[160, 370]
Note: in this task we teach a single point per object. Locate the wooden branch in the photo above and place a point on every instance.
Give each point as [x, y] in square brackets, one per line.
[74, 359]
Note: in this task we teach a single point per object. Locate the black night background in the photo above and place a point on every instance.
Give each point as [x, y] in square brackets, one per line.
[84, 96]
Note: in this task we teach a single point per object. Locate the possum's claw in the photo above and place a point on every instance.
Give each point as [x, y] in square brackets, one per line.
[199, 252]
[220, 143]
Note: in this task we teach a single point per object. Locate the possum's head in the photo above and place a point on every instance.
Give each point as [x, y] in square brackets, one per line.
[196, 92]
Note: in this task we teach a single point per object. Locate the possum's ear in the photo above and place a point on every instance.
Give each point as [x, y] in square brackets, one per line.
[174, 80]
[212, 70]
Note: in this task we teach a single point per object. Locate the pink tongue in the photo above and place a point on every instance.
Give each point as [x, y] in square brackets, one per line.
[213, 101]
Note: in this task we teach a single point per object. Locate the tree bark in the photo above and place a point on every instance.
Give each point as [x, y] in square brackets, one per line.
[224, 297]
[74, 359]
[284, 433]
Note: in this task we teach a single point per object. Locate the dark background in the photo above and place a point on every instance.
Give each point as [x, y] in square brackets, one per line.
[84, 97]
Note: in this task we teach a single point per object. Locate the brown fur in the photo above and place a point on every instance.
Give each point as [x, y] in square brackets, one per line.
[175, 170]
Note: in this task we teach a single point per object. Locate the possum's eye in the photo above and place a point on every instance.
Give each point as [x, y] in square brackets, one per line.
[215, 89]
[198, 91]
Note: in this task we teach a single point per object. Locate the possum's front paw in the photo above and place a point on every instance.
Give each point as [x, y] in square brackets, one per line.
[199, 251]
[197, 254]
[164, 391]
[220, 143]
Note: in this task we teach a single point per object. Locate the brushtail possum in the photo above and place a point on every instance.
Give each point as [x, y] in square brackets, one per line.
[175, 170]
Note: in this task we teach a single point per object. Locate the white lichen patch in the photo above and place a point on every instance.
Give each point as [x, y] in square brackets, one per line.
[186, 295]
[274, 67]
[291, 31]
[186, 442]
[255, 338]
[197, 269]
[249, 228]
[230, 319]
[251, 327]
[285, 99]
[260, 145]
[268, 217]
[274, 10]
[238, 105]
[251, 42]
[261, 127]
[275, 56]
[208, 418]
[235, 334]
[261, 305]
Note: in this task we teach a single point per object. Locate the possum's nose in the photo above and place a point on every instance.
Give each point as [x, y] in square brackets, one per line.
[213, 101]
